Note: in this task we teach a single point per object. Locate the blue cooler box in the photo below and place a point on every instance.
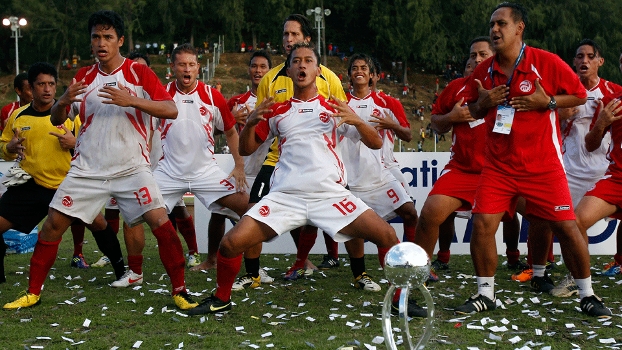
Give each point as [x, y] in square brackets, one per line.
[19, 243]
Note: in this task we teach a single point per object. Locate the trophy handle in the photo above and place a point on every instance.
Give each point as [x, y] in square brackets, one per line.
[403, 315]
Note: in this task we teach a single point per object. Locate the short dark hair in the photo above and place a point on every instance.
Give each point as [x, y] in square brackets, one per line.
[41, 68]
[261, 53]
[361, 57]
[480, 39]
[183, 48]
[18, 82]
[305, 25]
[377, 66]
[519, 13]
[597, 50]
[107, 19]
[135, 54]
[304, 45]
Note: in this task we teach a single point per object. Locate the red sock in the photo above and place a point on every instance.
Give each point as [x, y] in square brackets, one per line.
[135, 263]
[306, 241]
[551, 256]
[512, 256]
[409, 233]
[77, 231]
[186, 228]
[172, 255]
[443, 256]
[114, 224]
[332, 247]
[382, 252]
[40, 264]
[226, 272]
[618, 258]
[396, 296]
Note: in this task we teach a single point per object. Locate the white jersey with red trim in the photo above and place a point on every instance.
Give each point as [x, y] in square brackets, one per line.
[364, 165]
[577, 160]
[188, 141]
[113, 140]
[388, 136]
[252, 163]
[308, 136]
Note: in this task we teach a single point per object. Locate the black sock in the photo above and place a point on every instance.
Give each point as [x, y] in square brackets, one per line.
[357, 265]
[2, 254]
[171, 217]
[108, 244]
[252, 266]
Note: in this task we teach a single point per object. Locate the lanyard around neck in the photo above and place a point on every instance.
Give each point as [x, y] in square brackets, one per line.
[520, 56]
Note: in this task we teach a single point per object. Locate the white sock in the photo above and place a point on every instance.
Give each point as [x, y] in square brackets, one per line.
[538, 270]
[486, 287]
[585, 287]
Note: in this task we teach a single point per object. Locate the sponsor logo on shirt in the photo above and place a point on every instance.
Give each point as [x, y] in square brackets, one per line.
[264, 211]
[24, 128]
[324, 117]
[525, 86]
[305, 110]
[67, 201]
[280, 91]
[562, 207]
[114, 83]
[361, 106]
[187, 101]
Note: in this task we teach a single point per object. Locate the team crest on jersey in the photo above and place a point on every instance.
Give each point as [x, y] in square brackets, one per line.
[376, 113]
[562, 207]
[67, 201]
[113, 201]
[264, 211]
[203, 111]
[324, 117]
[525, 86]
[305, 110]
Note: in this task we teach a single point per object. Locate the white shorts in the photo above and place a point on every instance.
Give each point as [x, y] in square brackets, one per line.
[112, 204]
[579, 187]
[207, 189]
[83, 198]
[386, 199]
[285, 212]
[399, 176]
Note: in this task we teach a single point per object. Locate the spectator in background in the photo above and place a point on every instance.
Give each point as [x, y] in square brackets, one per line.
[23, 91]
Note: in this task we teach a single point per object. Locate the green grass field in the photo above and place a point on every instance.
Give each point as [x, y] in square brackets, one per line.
[322, 312]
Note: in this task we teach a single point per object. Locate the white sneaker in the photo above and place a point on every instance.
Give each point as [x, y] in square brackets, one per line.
[566, 288]
[264, 276]
[128, 279]
[366, 283]
[103, 261]
[193, 260]
[246, 281]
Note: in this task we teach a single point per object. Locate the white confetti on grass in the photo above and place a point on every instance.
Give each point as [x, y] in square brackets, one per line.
[137, 344]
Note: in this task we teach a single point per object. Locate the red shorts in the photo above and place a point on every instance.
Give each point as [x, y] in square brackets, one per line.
[456, 184]
[609, 189]
[547, 196]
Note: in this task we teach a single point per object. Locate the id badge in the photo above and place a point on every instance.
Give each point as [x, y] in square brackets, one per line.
[504, 120]
[476, 122]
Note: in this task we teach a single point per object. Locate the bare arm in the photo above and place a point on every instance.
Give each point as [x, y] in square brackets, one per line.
[121, 97]
[488, 99]
[540, 100]
[237, 173]
[606, 117]
[388, 123]
[249, 142]
[369, 135]
[59, 109]
[443, 122]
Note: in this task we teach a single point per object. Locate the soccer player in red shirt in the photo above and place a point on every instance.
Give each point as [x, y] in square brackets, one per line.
[24, 91]
[518, 90]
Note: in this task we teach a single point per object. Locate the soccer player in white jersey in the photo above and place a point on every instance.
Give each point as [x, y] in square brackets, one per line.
[114, 99]
[187, 163]
[241, 105]
[309, 180]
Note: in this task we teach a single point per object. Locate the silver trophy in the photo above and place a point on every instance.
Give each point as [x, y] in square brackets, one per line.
[406, 265]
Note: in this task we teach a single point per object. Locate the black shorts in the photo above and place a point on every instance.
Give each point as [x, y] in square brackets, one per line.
[261, 186]
[26, 205]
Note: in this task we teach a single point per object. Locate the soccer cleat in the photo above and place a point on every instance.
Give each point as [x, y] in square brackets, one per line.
[129, 278]
[432, 277]
[611, 269]
[518, 266]
[594, 306]
[265, 278]
[294, 274]
[542, 284]
[210, 305]
[523, 276]
[103, 261]
[566, 288]
[550, 265]
[79, 262]
[438, 265]
[328, 263]
[309, 272]
[476, 303]
[414, 310]
[193, 260]
[184, 302]
[25, 299]
[365, 282]
[247, 281]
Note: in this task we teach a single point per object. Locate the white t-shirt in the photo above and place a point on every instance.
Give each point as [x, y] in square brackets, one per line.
[113, 140]
[310, 164]
[188, 141]
[364, 165]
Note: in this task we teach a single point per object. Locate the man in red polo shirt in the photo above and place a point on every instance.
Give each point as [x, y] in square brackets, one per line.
[518, 90]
